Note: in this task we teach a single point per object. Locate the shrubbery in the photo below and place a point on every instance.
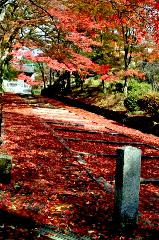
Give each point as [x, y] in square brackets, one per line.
[138, 88]
[150, 103]
[136, 91]
[131, 103]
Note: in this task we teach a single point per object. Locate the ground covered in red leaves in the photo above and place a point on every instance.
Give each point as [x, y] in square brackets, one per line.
[51, 186]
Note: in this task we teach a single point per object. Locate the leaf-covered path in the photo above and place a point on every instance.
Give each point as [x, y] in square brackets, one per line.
[63, 165]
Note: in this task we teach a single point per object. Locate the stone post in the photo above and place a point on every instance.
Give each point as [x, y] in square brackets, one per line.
[127, 186]
[5, 168]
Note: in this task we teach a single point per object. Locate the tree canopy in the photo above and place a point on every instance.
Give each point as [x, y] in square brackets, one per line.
[79, 35]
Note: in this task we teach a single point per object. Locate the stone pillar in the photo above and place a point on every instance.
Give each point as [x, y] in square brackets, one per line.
[5, 168]
[127, 185]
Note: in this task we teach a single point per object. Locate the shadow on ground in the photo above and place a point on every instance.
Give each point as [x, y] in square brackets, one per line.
[145, 124]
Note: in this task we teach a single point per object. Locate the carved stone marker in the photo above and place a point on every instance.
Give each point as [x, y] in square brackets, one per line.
[5, 168]
[127, 185]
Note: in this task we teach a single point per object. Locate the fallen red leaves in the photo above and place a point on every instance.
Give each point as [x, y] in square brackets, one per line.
[51, 187]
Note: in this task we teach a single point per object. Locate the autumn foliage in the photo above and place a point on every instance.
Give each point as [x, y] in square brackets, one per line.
[66, 32]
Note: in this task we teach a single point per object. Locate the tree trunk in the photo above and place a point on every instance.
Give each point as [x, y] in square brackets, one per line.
[127, 55]
[1, 73]
[126, 86]
[81, 83]
[126, 51]
[103, 85]
[50, 77]
[43, 78]
[68, 87]
[41, 67]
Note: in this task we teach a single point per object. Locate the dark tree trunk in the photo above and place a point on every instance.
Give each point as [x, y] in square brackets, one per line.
[68, 86]
[50, 77]
[82, 81]
[103, 85]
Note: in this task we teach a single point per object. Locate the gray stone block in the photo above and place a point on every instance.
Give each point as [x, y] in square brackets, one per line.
[127, 185]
